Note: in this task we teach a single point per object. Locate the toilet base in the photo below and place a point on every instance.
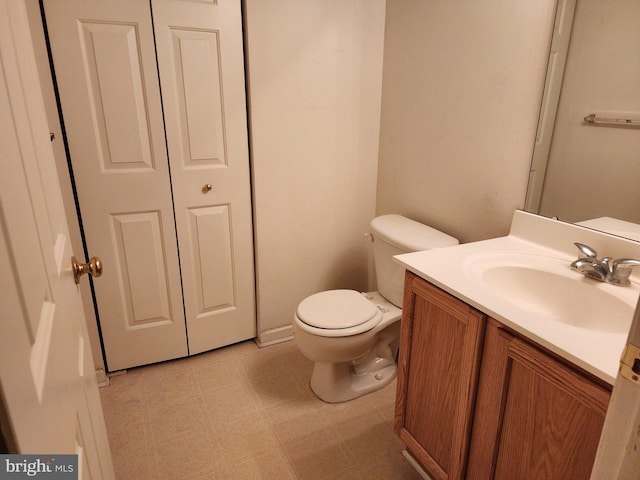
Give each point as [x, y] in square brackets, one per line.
[341, 382]
[344, 381]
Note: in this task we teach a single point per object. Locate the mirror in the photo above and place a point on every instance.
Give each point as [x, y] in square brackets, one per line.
[583, 170]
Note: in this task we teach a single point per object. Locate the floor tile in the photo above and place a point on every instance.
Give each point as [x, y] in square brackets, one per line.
[244, 412]
[230, 404]
[195, 455]
[180, 418]
[137, 462]
[248, 436]
[267, 466]
[319, 455]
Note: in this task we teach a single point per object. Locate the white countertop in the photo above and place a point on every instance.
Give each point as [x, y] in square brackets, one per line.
[614, 226]
[596, 351]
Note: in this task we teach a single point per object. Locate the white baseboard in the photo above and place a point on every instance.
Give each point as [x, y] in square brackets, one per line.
[101, 378]
[275, 335]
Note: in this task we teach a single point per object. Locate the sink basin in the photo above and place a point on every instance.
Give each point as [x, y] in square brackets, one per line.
[548, 288]
[524, 281]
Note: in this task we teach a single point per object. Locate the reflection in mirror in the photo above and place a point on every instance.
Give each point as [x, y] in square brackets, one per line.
[582, 170]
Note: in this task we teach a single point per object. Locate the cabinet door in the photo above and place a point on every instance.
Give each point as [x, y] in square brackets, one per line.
[535, 417]
[438, 370]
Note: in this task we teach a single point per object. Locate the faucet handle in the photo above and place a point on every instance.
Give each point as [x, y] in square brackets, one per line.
[586, 251]
[621, 270]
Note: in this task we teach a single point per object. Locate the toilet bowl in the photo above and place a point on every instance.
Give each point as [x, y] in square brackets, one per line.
[353, 337]
[346, 364]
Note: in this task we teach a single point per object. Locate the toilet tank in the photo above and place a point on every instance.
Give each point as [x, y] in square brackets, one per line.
[394, 235]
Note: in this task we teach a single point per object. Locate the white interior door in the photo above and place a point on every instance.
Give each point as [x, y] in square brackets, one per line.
[104, 58]
[47, 380]
[201, 66]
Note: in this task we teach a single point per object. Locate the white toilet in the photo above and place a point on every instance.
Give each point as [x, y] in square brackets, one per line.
[353, 337]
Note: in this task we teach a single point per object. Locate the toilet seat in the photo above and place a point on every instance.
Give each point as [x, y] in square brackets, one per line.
[336, 313]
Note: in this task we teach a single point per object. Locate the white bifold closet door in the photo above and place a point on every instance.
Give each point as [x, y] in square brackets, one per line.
[201, 65]
[159, 152]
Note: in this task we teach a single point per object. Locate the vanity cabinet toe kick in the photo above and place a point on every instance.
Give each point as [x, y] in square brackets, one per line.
[477, 401]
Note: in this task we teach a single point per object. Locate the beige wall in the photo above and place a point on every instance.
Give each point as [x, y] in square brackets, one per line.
[315, 71]
[593, 171]
[461, 94]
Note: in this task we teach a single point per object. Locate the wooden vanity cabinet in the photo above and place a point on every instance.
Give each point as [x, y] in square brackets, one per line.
[535, 416]
[476, 401]
[438, 368]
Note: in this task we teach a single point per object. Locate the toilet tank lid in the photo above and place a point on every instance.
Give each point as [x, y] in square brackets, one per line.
[408, 234]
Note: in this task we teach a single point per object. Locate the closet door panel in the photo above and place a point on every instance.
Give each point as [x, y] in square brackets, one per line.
[113, 74]
[141, 269]
[200, 60]
[198, 97]
[106, 72]
[212, 258]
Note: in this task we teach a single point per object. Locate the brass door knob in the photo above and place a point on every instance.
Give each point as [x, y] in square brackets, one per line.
[207, 187]
[93, 268]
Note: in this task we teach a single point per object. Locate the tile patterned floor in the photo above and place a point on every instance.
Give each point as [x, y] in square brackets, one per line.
[242, 412]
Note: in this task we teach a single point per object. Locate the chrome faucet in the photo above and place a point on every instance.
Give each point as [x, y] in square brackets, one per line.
[621, 270]
[616, 272]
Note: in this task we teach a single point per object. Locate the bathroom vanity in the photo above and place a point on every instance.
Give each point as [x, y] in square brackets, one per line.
[473, 395]
[507, 356]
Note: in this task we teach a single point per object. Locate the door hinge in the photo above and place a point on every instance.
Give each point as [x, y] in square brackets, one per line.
[630, 363]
